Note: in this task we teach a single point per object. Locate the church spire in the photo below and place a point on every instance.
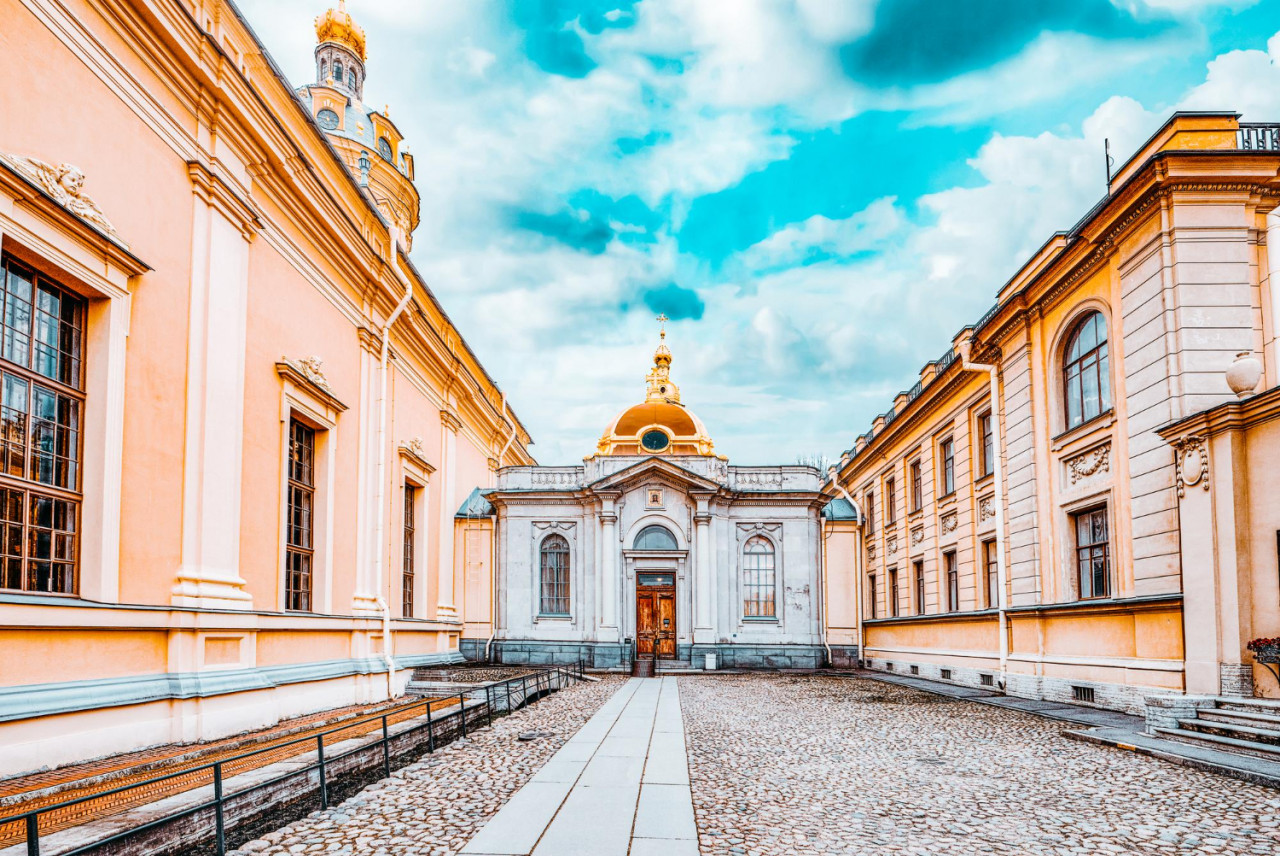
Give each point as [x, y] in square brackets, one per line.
[659, 379]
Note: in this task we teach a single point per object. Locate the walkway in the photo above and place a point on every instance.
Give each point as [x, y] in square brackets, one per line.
[619, 787]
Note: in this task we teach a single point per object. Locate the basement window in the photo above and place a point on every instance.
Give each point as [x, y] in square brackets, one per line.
[1084, 694]
[986, 680]
[888, 667]
[946, 674]
[915, 670]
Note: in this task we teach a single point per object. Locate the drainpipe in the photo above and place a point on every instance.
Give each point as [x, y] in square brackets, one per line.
[857, 562]
[493, 549]
[397, 246]
[964, 348]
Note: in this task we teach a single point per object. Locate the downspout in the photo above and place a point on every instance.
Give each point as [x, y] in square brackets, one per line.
[396, 241]
[493, 550]
[964, 347]
[857, 561]
[822, 585]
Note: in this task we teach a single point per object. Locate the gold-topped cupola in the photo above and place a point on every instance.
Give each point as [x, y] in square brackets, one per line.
[661, 425]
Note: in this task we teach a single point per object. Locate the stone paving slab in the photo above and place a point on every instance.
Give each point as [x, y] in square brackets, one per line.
[606, 811]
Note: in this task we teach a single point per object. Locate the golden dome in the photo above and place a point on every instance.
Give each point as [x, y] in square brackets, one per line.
[660, 425]
[337, 26]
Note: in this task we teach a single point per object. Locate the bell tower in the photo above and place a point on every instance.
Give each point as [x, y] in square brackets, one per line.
[340, 51]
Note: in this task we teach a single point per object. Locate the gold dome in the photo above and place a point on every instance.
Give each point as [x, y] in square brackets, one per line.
[338, 27]
[660, 425]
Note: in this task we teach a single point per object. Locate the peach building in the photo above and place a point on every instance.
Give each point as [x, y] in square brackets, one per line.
[1075, 501]
[237, 425]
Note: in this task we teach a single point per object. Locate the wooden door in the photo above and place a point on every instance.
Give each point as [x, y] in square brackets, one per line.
[656, 615]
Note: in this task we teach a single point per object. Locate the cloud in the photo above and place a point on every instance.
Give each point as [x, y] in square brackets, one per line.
[676, 302]
[821, 238]
[923, 41]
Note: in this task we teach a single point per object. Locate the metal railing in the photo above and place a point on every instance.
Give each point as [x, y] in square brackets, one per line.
[1257, 136]
[502, 697]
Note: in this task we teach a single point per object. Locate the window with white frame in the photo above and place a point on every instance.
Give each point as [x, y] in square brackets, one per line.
[554, 572]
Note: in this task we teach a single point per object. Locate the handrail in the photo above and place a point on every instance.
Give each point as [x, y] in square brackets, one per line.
[30, 818]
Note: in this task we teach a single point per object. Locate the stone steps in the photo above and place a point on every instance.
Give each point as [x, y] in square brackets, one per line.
[1234, 730]
[1214, 741]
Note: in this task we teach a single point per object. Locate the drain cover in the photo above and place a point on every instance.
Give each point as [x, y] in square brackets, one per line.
[528, 735]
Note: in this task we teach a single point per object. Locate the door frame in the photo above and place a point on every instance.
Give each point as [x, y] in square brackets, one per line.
[663, 592]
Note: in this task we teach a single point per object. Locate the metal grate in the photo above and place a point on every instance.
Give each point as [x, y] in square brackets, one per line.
[888, 667]
[1258, 137]
[946, 674]
[1084, 694]
[987, 680]
[915, 670]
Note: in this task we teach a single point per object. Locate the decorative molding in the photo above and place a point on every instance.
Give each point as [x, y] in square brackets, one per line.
[773, 530]
[417, 453]
[1191, 463]
[569, 527]
[1096, 460]
[891, 544]
[986, 508]
[949, 522]
[64, 184]
[307, 374]
[917, 535]
[450, 420]
[218, 193]
[757, 479]
[553, 478]
[871, 549]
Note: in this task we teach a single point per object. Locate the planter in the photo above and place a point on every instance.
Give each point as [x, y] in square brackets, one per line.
[1269, 654]
[1266, 652]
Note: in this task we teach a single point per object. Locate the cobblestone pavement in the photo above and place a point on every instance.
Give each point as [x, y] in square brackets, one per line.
[434, 806]
[811, 765]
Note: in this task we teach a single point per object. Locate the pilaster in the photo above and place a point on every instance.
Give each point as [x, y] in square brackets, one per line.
[608, 578]
[449, 425]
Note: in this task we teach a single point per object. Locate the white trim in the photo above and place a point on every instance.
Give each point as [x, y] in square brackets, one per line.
[296, 400]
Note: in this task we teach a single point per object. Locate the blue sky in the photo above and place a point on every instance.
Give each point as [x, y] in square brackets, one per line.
[818, 192]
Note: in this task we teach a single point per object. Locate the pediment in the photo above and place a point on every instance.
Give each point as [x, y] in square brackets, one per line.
[649, 468]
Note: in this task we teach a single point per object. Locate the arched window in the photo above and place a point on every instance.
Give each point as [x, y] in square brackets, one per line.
[555, 576]
[759, 579]
[1086, 373]
[337, 72]
[656, 538]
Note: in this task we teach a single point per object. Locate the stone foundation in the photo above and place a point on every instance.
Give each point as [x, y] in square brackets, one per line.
[1235, 680]
[1164, 711]
[844, 656]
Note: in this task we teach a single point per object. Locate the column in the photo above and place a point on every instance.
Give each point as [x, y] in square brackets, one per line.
[703, 588]
[449, 425]
[608, 569]
[223, 224]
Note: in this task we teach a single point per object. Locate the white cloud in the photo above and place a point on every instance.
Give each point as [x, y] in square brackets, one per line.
[844, 237]
[1247, 82]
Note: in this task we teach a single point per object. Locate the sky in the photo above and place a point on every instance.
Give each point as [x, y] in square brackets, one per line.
[818, 193]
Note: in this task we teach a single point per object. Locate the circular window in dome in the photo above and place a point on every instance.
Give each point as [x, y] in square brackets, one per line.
[327, 119]
[655, 440]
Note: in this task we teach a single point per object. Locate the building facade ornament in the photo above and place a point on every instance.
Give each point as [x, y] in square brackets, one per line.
[891, 545]
[1191, 461]
[950, 522]
[311, 368]
[65, 183]
[1097, 460]
[553, 478]
[917, 535]
[986, 508]
[871, 549]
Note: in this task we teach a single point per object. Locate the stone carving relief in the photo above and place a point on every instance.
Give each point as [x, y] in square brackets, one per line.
[746, 530]
[565, 527]
[917, 535]
[1191, 460]
[1096, 460]
[312, 369]
[949, 522]
[871, 550]
[891, 545]
[986, 508]
[65, 183]
[415, 447]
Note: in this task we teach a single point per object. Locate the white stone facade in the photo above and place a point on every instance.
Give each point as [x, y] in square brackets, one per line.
[711, 509]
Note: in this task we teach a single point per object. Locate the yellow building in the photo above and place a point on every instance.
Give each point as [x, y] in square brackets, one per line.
[238, 425]
[1067, 505]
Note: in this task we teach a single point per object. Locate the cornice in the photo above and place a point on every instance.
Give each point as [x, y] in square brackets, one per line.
[214, 189]
[1229, 416]
[303, 375]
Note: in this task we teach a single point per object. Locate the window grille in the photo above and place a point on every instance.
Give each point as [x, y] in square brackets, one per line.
[946, 674]
[41, 402]
[300, 538]
[1084, 694]
[759, 578]
[410, 550]
[555, 576]
[987, 680]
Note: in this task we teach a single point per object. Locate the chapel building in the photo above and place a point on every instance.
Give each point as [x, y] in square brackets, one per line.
[655, 546]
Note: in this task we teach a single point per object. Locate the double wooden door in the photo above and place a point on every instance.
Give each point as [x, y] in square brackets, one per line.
[656, 615]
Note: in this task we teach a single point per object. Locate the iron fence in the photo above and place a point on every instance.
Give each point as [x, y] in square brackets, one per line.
[477, 705]
[1258, 137]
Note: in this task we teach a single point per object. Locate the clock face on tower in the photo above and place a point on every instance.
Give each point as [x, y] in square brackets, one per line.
[654, 440]
[327, 119]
